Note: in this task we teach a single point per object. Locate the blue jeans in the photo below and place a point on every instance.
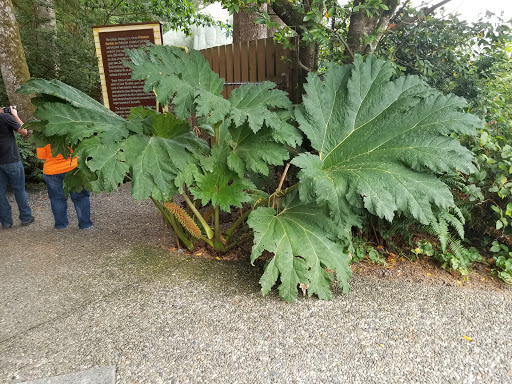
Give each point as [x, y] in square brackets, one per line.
[59, 202]
[13, 174]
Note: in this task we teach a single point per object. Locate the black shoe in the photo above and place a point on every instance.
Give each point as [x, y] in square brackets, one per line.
[6, 226]
[29, 222]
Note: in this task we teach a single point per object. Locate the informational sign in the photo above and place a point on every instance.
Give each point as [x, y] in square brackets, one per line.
[120, 92]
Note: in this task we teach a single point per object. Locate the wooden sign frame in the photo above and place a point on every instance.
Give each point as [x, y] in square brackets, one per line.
[120, 92]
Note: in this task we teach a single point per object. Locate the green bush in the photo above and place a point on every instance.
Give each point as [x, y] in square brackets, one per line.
[503, 259]
[31, 163]
[378, 145]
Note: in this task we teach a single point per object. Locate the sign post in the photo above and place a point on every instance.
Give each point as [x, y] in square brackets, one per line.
[120, 92]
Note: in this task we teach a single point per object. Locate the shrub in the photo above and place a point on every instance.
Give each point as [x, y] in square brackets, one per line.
[377, 145]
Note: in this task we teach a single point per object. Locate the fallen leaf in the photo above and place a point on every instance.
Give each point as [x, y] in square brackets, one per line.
[467, 338]
[429, 274]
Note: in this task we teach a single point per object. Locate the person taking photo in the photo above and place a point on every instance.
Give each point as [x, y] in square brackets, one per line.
[11, 169]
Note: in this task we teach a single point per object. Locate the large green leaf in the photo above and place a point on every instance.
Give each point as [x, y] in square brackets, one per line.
[380, 141]
[66, 112]
[187, 81]
[253, 152]
[108, 163]
[62, 91]
[302, 238]
[173, 74]
[255, 105]
[150, 149]
[218, 184]
[156, 160]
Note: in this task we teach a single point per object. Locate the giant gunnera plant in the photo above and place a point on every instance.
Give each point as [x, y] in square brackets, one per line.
[377, 145]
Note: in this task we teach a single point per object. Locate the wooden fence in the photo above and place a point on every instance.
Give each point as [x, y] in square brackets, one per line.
[252, 62]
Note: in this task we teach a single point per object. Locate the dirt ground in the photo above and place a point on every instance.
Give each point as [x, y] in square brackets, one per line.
[119, 219]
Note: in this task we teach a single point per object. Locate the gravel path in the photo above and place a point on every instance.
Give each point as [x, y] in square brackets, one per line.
[72, 300]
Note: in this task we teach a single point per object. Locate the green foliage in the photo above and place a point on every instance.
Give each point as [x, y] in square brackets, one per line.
[450, 54]
[303, 240]
[68, 52]
[377, 145]
[490, 188]
[452, 254]
[440, 227]
[460, 261]
[365, 252]
[503, 259]
[423, 247]
[457, 258]
[31, 163]
[380, 140]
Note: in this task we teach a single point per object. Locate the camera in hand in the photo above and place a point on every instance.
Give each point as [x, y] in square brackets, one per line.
[8, 109]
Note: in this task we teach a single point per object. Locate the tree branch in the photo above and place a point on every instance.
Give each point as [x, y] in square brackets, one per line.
[428, 11]
[411, 20]
[338, 35]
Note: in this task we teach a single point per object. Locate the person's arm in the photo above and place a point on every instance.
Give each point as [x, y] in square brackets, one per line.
[21, 130]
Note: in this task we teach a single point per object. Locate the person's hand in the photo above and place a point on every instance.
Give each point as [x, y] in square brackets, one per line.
[14, 111]
[2, 109]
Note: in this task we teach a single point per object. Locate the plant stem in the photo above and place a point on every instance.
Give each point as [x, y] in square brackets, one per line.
[177, 229]
[209, 242]
[280, 184]
[237, 223]
[241, 219]
[217, 132]
[282, 193]
[235, 243]
[217, 242]
[207, 229]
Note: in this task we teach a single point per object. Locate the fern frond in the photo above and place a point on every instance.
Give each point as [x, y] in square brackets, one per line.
[456, 222]
[456, 247]
[439, 228]
[184, 219]
[441, 224]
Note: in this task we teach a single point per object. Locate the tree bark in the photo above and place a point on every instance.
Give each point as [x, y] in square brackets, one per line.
[13, 64]
[362, 25]
[45, 24]
[244, 28]
[45, 14]
[308, 53]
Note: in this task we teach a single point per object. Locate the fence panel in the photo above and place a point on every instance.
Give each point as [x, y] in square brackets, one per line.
[254, 61]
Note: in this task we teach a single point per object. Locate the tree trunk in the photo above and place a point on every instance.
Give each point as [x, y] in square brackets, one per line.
[308, 53]
[362, 25]
[13, 64]
[244, 28]
[45, 14]
[45, 25]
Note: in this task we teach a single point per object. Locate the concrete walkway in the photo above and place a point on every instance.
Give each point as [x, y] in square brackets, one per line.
[155, 317]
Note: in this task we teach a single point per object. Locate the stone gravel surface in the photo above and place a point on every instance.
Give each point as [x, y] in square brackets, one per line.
[114, 296]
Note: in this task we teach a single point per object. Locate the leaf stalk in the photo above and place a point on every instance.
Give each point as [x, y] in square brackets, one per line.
[193, 209]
